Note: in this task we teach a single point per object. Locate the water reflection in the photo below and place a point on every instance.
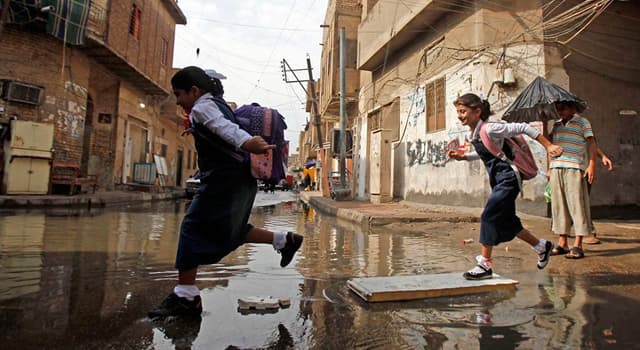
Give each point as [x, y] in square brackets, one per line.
[87, 281]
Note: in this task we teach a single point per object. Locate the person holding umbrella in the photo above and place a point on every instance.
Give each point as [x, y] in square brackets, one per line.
[499, 222]
[538, 102]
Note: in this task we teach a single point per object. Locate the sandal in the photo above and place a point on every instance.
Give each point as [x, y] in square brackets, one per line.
[559, 250]
[575, 253]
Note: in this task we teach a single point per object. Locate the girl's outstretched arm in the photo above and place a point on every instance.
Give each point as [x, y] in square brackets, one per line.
[552, 150]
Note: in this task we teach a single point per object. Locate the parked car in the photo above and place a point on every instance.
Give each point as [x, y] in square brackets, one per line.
[192, 185]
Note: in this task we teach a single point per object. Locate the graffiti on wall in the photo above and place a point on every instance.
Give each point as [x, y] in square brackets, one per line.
[435, 152]
[416, 106]
[415, 153]
[427, 152]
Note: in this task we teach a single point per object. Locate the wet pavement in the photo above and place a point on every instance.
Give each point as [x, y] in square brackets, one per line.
[85, 280]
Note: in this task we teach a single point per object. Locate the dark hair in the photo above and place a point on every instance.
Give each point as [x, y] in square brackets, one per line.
[568, 104]
[474, 101]
[190, 76]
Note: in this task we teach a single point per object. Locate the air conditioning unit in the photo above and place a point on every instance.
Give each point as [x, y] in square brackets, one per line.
[335, 145]
[14, 91]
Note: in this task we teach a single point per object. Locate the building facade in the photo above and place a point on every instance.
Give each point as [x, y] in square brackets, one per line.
[108, 95]
[416, 59]
[340, 14]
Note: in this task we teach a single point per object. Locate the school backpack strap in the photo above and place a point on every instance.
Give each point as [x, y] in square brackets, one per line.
[216, 141]
[490, 145]
[497, 151]
[224, 107]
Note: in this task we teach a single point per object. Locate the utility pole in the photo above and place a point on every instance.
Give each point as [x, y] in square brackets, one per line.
[314, 103]
[343, 112]
[311, 94]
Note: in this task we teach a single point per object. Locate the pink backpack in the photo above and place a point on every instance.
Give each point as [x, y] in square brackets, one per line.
[523, 162]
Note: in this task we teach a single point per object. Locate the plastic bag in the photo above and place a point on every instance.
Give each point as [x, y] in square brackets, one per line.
[547, 193]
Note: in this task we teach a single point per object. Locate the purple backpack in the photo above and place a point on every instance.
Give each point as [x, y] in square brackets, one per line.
[270, 167]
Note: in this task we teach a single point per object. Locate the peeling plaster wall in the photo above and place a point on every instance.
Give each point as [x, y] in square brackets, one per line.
[34, 58]
[429, 176]
[422, 170]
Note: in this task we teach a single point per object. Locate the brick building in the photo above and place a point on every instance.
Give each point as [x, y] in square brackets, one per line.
[108, 95]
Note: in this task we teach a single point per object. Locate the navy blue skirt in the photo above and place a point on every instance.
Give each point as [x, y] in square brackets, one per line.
[499, 222]
[216, 222]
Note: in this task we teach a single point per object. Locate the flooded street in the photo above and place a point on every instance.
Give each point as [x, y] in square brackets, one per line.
[85, 280]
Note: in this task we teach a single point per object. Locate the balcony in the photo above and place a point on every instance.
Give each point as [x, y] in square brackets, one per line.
[374, 31]
[97, 47]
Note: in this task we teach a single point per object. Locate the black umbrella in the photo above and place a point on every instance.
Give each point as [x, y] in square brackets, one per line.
[538, 98]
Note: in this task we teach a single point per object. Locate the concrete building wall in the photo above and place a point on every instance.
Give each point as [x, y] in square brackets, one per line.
[602, 67]
[428, 175]
[470, 50]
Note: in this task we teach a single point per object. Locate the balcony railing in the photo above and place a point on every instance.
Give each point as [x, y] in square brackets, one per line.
[97, 22]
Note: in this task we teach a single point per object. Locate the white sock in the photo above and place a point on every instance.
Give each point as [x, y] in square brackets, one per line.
[279, 240]
[484, 261]
[188, 291]
[540, 247]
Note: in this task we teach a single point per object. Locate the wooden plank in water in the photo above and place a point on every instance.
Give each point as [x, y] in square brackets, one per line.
[394, 288]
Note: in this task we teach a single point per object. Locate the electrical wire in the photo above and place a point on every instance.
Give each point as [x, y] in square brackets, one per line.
[275, 46]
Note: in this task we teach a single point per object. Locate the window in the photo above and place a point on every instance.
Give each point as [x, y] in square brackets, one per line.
[163, 150]
[435, 105]
[135, 22]
[164, 52]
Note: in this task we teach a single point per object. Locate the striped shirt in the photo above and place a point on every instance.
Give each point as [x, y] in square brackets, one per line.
[572, 137]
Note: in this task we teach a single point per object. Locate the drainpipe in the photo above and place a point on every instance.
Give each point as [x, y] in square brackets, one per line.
[343, 112]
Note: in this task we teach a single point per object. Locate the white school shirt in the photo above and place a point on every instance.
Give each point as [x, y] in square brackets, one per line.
[497, 132]
[207, 113]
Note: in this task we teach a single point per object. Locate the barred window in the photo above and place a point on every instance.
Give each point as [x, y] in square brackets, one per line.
[135, 22]
[435, 105]
[164, 52]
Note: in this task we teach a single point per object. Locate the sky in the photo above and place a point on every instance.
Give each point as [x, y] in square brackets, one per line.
[246, 40]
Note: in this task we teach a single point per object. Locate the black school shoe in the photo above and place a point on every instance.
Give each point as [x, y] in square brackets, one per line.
[294, 241]
[543, 258]
[174, 305]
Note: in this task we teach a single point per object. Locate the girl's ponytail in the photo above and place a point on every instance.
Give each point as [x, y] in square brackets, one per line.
[216, 87]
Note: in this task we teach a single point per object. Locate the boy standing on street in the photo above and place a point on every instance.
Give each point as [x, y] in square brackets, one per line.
[569, 174]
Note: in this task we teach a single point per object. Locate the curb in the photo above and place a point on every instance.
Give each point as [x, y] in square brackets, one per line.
[362, 218]
[98, 200]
